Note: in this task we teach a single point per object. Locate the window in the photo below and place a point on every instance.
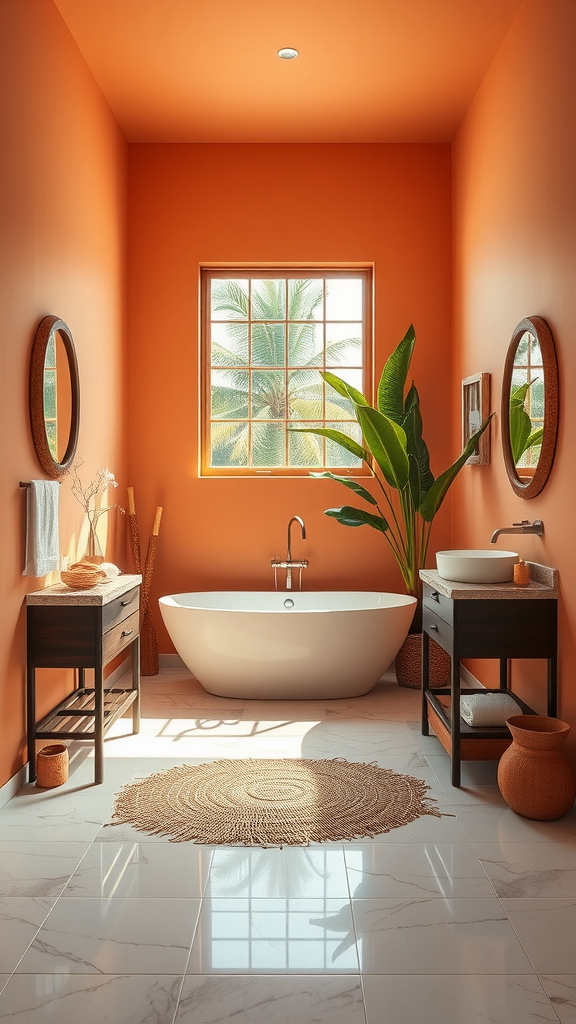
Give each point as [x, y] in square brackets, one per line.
[266, 335]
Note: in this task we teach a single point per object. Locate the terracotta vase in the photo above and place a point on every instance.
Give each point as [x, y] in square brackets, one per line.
[408, 663]
[535, 777]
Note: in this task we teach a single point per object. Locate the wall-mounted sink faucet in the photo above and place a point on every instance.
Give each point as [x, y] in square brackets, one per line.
[289, 563]
[525, 526]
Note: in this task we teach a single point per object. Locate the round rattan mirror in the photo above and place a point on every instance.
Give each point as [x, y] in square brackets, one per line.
[54, 396]
[530, 406]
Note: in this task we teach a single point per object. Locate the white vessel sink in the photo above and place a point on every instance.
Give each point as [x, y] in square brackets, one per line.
[476, 566]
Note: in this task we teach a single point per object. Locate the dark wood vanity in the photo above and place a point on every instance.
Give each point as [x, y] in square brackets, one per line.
[83, 629]
[501, 621]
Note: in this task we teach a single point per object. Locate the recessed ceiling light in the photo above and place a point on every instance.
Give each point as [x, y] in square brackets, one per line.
[287, 53]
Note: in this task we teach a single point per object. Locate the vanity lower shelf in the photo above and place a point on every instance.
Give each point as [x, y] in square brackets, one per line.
[74, 717]
[476, 743]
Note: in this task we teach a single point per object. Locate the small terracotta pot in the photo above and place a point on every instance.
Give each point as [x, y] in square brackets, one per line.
[52, 766]
[535, 777]
[408, 663]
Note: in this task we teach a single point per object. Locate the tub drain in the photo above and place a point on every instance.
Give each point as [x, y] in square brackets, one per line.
[288, 603]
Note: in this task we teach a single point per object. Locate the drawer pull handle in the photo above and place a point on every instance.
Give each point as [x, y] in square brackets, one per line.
[126, 632]
[435, 595]
[124, 603]
[435, 628]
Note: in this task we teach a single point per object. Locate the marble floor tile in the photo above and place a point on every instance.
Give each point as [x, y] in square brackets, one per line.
[304, 872]
[415, 870]
[274, 936]
[285, 710]
[263, 1000]
[113, 936]
[20, 919]
[167, 683]
[4, 979]
[436, 936]
[561, 991]
[142, 869]
[456, 999]
[32, 869]
[487, 822]
[473, 773]
[547, 930]
[103, 999]
[530, 869]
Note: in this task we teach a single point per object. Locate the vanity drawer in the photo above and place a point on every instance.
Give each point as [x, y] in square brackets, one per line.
[438, 629]
[118, 610]
[437, 603]
[116, 639]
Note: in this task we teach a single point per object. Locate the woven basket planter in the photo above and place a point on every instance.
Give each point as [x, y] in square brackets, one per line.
[535, 777]
[408, 663]
[52, 766]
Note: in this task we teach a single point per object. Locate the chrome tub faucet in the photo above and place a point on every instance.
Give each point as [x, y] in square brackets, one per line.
[289, 563]
[525, 526]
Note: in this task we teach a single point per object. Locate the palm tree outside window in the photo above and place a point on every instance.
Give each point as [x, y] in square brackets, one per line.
[266, 336]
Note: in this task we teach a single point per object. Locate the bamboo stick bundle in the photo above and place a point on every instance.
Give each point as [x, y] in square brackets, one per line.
[133, 531]
[149, 656]
[148, 635]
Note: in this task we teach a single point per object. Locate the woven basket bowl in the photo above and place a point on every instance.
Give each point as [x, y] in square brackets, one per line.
[408, 663]
[82, 576]
[52, 766]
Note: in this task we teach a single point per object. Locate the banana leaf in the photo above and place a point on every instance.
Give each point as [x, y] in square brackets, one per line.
[433, 499]
[344, 389]
[393, 379]
[421, 477]
[357, 488]
[347, 515]
[387, 443]
[343, 440]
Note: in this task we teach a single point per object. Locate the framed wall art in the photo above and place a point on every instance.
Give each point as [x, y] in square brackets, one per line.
[475, 409]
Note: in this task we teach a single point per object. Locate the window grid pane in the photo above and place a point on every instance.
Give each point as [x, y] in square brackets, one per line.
[291, 347]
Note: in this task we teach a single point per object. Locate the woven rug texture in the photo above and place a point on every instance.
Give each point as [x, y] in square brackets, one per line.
[284, 802]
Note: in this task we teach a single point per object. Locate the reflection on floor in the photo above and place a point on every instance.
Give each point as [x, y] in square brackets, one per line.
[459, 920]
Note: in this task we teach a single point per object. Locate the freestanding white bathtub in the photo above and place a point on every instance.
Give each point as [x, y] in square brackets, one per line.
[287, 644]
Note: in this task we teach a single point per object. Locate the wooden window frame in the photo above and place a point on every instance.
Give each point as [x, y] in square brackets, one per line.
[209, 273]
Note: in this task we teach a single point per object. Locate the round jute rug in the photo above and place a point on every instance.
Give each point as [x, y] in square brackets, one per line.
[286, 802]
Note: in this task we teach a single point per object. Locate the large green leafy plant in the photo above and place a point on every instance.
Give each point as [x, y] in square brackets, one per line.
[396, 454]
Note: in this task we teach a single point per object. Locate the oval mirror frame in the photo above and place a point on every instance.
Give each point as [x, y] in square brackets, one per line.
[45, 331]
[537, 326]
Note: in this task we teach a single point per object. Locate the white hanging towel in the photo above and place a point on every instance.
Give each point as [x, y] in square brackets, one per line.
[42, 538]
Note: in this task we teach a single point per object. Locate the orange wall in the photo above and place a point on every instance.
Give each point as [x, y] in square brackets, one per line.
[62, 251]
[515, 255]
[260, 204]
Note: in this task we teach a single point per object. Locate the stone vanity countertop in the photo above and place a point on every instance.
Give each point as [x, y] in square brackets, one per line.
[101, 593]
[543, 584]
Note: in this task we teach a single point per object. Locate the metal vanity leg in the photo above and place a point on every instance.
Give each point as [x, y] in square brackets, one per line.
[425, 681]
[455, 720]
[31, 720]
[503, 673]
[136, 684]
[98, 723]
[552, 668]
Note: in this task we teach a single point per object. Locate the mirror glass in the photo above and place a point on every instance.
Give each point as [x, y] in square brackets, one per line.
[54, 396]
[530, 406]
[57, 389]
[527, 405]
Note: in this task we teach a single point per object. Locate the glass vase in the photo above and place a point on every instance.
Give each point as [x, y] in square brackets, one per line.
[93, 552]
